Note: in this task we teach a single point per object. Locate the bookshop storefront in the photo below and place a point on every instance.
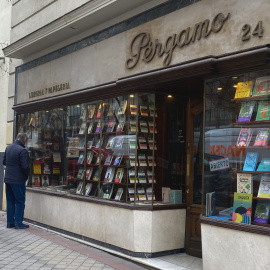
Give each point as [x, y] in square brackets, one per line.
[134, 136]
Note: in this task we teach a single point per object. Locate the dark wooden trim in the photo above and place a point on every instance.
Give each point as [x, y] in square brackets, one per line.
[195, 68]
[112, 203]
[235, 226]
[243, 61]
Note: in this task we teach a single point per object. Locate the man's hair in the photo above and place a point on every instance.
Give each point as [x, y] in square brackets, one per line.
[21, 137]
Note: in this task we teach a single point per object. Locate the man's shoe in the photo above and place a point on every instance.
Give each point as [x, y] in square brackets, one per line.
[9, 226]
[21, 226]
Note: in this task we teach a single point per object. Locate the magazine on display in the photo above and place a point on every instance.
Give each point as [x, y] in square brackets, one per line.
[262, 211]
[244, 137]
[264, 165]
[263, 111]
[244, 183]
[264, 187]
[262, 137]
[246, 111]
[251, 161]
[261, 86]
[119, 175]
[244, 89]
[118, 194]
[242, 208]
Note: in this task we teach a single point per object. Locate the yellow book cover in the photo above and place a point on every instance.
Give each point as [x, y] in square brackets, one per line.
[36, 168]
[244, 89]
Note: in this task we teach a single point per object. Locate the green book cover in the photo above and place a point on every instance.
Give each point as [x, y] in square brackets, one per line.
[242, 208]
[263, 111]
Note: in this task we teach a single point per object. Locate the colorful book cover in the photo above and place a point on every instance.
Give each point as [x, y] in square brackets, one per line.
[244, 137]
[262, 86]
[262, 211]
[251, 161]
[262, 137]
[264, 165]
[91, 111]
[110, 142]
[90, 127]
[150, 194]
[109, 174]
[142, 177]
[36, 168]
[98, 128]
[264, 188]
[88, 173]
[82, 129]
[244, 89]
[81, 158]
[244, 183]
[150, 177]
[119, 142]
[143, 126]
[80, 188]
[142, 143]
[80, 173]
[150, 161]
[45, 180]
[88, 188]
[108, 190]
[119, 175]
[90, 155]
[153, 111]
[141, 194]
[263, 111]
[96, 175]
[144, 110]
[121, 124]
[132, 143]
[131, 194]
[117, 160]
[36, 180]
[73, 142]
[133, 109]
[133, 125]
[246, 111]
[118, 194]
[108, 160]
[151, 127]
[242, 208]
[110, 126]
[122, 107]
[132, 177]
[142, 160]
[99, 111]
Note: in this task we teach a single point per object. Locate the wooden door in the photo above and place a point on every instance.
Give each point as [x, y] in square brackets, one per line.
[194, 163]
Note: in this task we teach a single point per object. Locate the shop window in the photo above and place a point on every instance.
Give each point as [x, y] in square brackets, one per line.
[114, 149]
[236, 172]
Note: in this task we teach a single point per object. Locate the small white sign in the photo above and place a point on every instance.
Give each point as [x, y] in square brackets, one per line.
[219, 164]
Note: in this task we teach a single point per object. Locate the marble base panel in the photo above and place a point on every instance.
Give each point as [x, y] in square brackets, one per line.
[227, 249]
[137, 231]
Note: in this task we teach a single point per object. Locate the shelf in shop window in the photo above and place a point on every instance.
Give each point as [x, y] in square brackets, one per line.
[251, 172]
[250, 123]
[262, 97]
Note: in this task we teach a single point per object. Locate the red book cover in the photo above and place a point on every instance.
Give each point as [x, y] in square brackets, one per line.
[244, 137]
[262, 137]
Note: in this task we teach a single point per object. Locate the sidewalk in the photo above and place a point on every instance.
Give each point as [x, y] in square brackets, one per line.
[37, 248]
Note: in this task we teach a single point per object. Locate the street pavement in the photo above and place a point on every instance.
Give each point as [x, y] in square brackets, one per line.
[38, 249]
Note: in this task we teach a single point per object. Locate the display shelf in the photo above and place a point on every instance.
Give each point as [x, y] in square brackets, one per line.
[251, 123]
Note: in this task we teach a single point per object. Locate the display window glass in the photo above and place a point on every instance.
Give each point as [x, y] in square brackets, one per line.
[236, 170]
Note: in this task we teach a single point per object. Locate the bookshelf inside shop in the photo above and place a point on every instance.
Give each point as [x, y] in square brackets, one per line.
[239, 149]
[104, 149]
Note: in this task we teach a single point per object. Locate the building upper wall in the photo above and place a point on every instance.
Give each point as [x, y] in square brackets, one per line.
[44, 26]
[106, 60]
[30, 15]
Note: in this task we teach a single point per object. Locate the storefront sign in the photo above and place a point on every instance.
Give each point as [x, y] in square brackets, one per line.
[144, 45]
[50, 90]
[219, 164]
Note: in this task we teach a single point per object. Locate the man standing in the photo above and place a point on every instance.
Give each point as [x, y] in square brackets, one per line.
[16, 159]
